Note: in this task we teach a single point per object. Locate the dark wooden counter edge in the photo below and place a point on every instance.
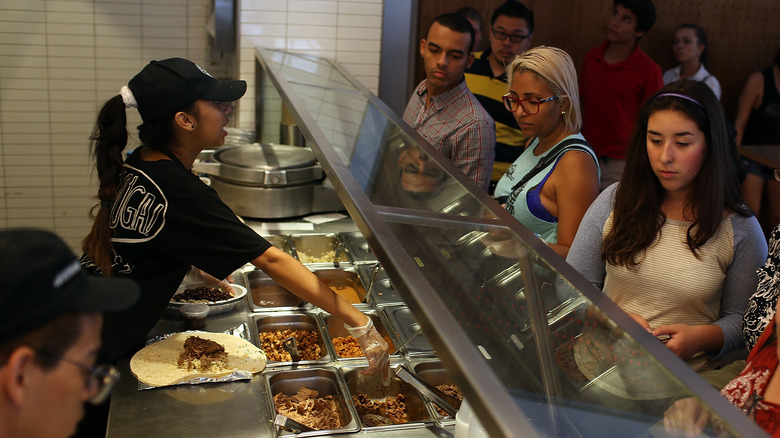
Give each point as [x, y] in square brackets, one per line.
[768, 155]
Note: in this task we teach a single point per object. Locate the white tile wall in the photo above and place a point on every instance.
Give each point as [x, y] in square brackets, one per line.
[61, 59]
[348, 31]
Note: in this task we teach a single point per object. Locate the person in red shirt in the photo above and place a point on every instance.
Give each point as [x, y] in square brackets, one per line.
[617, 78]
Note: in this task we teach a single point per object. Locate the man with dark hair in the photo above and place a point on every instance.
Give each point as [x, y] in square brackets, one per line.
[443, 110]
[475, 18]
[510, 34]
[617, 78]
[50, 324]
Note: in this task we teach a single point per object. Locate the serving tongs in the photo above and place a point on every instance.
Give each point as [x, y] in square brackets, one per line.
[416, 330]
[291, 346]
[290, 425]
[448, 403]
[372, 278]
[337, 252]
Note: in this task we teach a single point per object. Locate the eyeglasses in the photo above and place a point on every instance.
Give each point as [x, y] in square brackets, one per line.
[513, 38]
[530, 106]
[100, 380]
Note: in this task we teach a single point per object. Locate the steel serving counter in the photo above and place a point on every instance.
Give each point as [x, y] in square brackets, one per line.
[533, 347]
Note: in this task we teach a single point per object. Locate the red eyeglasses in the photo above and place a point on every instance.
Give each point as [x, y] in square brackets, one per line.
[530, 106]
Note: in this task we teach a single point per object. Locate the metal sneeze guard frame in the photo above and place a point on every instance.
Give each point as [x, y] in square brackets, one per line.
[490, 397]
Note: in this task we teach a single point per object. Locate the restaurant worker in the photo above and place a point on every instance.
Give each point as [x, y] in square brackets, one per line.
[50, 334]
[156, 218]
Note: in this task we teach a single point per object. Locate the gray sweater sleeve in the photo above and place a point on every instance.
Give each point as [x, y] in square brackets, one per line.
[585, 252]
[750, 250]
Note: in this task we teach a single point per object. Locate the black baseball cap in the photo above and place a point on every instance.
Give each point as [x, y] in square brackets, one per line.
[164, 87]
[41, 279]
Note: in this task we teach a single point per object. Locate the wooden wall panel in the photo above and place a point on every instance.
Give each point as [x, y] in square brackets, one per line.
[743, 36]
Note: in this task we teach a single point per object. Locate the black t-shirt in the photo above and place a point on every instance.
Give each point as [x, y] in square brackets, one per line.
[164, 220]
[763, 125]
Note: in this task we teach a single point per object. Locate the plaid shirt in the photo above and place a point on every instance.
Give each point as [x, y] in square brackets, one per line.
[456, 124]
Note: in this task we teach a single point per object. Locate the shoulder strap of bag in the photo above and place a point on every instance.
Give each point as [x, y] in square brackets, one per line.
[572, 143]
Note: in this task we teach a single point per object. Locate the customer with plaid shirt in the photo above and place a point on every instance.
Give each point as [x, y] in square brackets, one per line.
[443, 110]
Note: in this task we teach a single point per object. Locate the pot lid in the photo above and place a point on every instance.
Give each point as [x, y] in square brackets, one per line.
[265, 156]
[264, 165]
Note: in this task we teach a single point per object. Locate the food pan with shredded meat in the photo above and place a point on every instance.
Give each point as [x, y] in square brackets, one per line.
[313, 396]
[308, 342]
[396, 406]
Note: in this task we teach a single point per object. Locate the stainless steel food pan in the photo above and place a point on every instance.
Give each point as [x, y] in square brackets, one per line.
[318, 248]
[433, 372]
[417, 413]
[326, 381]
[405, 326]
[267, 294]
[334, 328]
[278, 321]
[358, 248]
[344, 281]
[279, 241]
[380, 289]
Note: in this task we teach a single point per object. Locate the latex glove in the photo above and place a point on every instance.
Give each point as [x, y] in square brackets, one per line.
[196, 273]
[375, 349]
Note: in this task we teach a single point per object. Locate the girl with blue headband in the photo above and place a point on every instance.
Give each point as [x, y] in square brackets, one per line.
[673, 243]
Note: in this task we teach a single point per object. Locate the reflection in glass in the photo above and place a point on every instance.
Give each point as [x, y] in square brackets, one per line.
[568, 367]
[421, 178]
[388, 165]
[604, 382]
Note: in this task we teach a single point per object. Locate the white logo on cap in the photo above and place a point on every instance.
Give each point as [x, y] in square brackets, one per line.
[66, 274]
[203, 71]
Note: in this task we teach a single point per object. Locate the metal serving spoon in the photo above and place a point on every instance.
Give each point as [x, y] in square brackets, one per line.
[416, 330]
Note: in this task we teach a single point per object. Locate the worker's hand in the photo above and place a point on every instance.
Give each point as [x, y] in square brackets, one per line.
[374, 348]
[199, 275]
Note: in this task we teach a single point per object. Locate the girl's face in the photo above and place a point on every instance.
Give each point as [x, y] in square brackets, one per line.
[676, 148]
[212, 117]
[548, 119]
[686, 46]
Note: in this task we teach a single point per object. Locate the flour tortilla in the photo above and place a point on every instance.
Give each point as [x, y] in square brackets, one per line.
[155, 365]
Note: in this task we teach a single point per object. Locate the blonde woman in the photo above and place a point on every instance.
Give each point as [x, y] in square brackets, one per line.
[553, 182]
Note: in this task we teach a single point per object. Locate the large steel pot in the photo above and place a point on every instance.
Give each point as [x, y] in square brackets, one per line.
[264, 180]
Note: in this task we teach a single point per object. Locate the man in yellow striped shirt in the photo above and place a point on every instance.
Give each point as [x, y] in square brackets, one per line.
[510, 33]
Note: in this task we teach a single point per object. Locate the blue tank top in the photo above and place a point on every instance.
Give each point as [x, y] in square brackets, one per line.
[525, 204]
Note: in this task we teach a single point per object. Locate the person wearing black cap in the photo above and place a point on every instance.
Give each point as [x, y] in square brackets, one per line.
[156, 218]
[50, 319]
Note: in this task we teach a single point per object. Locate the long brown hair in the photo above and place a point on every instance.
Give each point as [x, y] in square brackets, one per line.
[637, 214]
[109, 139]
